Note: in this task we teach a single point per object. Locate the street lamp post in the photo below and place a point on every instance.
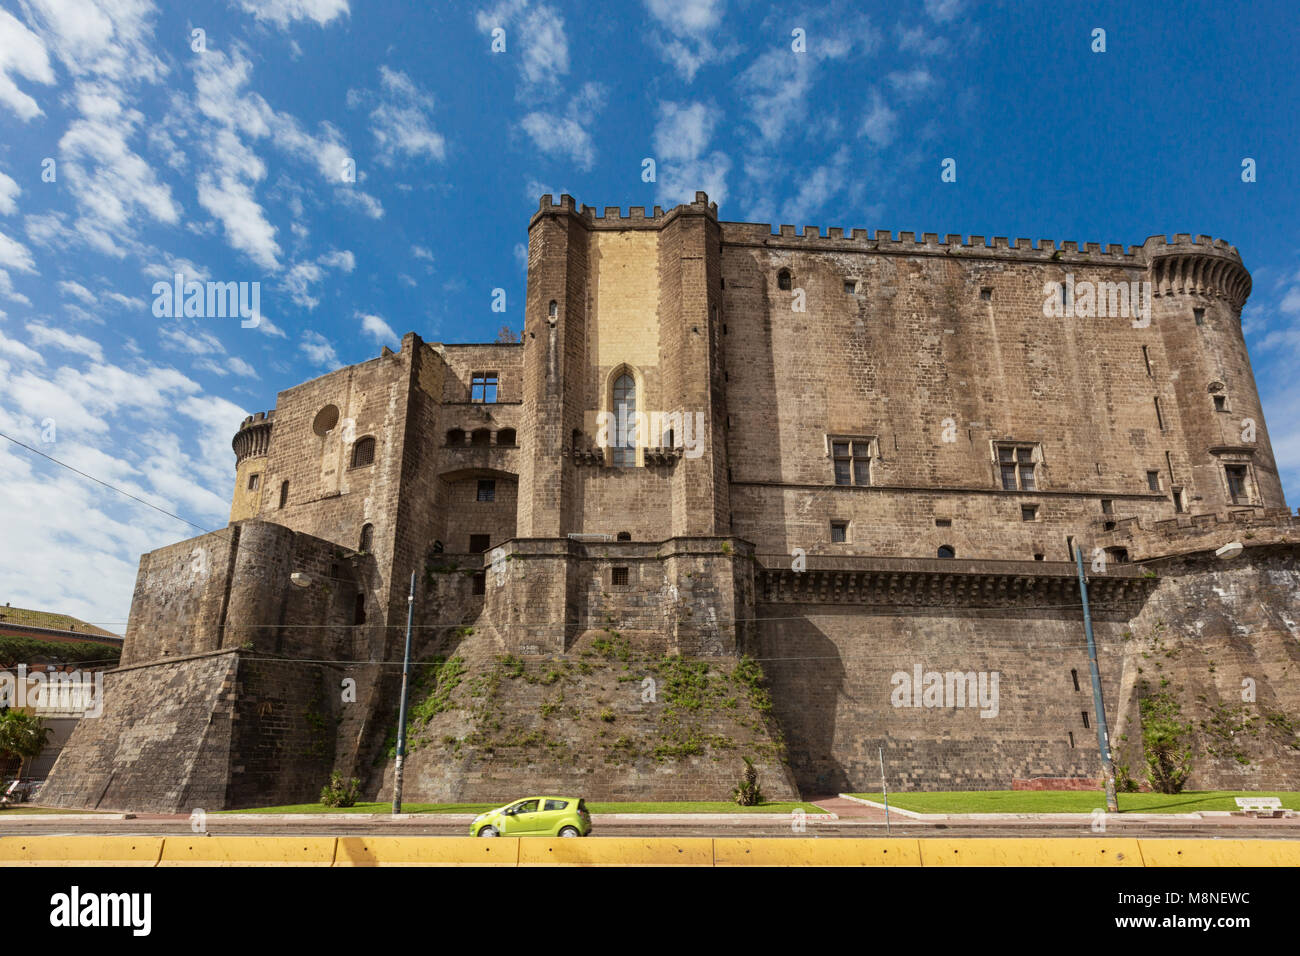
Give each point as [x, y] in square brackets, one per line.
[401, 717]
[1103, 737]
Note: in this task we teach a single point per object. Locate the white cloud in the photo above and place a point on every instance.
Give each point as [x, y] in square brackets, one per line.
[879, 124]
[916, 40]
[44, 335]
[284, 12]
[566, 136]
[521, 256]
[686, 38]
[378, 329]
[911, 82]
[18, 350]
[420, 252]
[21, 54]
[9, 191]
[537, 32]
[78, 291]
[681, 138]
[14, 255]
[318, 350]
[401, 119]
[241, 368]
[941, 11]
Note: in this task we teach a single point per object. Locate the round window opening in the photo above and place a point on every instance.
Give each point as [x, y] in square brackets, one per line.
[325, 421]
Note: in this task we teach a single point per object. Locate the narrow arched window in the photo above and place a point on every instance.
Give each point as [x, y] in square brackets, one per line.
[284, 493]
[456, 437]
[783, 280]
[480, 436]
[625, 536]
[363, 452]
[947, 551]
[624, 439]
[367, 537]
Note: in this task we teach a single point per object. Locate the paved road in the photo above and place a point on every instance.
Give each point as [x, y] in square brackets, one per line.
[1268, 829]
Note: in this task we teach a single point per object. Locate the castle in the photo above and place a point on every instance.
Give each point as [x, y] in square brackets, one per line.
[847, 457]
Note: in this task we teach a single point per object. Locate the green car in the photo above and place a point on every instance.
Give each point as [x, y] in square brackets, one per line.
[535, 816]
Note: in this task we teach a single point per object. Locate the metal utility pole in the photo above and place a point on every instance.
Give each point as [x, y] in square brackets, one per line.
[401, 717]
[1103, 737]
[884, 787]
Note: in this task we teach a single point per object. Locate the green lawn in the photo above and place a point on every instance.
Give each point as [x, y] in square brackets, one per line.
[704, 806]
[1072, 801]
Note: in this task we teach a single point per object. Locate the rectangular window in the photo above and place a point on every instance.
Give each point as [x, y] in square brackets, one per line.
[1029, 512]
[1237, 484]
[483, 387]
[487, 489]
[1220, 403]
[1153, 480]
[1199, 316]
[852, 460]
[850, 287]
[620, 576]
[478, 543]
[1180, 502]
[1017, 467]
[253, 481]
[1160, 419]
[839, 532]
[1085, 719]
[480, 583]
[986, 293]
[1107, 506]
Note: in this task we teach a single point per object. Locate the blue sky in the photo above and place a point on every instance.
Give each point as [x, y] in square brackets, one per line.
[227, 163]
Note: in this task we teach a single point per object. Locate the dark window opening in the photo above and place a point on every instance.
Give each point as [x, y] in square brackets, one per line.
[363, 452]
[1085, 719]
[850, 287]
[480, 583]
[1017, 467]
[943, 522]
[367, 538]
[253, 481]
[480, 437]
[1108, 526]
[1074, 676]
[1071, 739]
[1199, 316]
[1118, 555]
[852, 460]
[487, 489]
[839, 532]
[619, 577]
[456, 437]
[1146, 359]
[986, 293]
[1220, 403]
[1107, 506]
[1153, 480]
[625, 436]
[783, 280]
[1180, 502]
[947, 551]
[1237, 484]
[625, 536]
[506, 437]
[359, 609]
[478, 543]
[1040, 557]
[1029, 512]
[483, 387]
[284, 493]
[1160, 418]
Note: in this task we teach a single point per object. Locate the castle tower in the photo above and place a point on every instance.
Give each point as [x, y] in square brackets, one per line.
[1221, 458]
[252, 443]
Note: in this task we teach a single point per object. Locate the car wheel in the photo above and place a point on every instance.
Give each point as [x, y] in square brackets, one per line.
[488, 832]
[569, 832]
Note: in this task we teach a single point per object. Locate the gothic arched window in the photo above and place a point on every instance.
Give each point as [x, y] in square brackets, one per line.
[624, 437]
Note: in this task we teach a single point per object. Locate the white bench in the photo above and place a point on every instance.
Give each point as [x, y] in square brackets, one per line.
[1261, 806]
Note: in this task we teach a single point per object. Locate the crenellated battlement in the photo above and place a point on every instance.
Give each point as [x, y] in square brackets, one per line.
[613, 217]
[254, 436]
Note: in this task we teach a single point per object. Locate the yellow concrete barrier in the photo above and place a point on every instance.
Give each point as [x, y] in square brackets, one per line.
[427, 851]
[80, 851]
[247, 851]
[1220, 852]
[826, 851]
[1045, 851]
[616, 851]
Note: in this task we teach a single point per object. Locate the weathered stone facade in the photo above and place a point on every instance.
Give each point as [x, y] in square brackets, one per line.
[866, 457]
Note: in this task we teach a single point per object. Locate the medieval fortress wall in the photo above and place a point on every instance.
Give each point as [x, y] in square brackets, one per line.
[862, 460]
